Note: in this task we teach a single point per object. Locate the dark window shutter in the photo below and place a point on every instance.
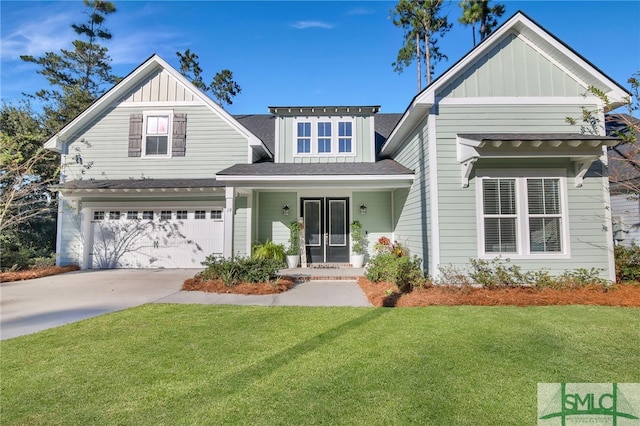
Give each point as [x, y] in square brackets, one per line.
[179, 139]
[135, 135]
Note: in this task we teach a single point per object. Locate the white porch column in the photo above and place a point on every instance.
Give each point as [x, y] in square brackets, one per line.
[87, 240]
[229, 210]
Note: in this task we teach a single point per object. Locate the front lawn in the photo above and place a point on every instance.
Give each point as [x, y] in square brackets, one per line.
[198, 364]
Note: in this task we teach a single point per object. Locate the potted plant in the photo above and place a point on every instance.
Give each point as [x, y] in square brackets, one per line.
[358, 245]
[293, 251]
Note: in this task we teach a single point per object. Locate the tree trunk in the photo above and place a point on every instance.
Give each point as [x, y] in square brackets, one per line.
[418, 61]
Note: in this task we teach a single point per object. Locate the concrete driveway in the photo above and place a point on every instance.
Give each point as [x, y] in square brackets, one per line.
[33, 305]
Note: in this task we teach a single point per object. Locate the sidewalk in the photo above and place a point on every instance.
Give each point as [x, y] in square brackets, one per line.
[309, 293]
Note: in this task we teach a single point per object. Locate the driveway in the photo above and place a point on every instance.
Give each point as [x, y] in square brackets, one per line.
[33, 305]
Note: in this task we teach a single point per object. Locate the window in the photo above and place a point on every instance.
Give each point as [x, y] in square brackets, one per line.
[200, 214]
[216, 214]
[132, 214]
[304, 138]
[114, 215]
[523, 216]
[156, 137]
[181, 214]
[98, 215]
[147, 214]
[344, 136]
[165, 215]
[324, 137]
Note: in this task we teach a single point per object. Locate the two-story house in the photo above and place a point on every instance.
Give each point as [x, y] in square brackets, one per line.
[481, 164]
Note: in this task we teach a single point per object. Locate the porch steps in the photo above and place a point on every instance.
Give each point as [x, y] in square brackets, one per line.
[324, 272]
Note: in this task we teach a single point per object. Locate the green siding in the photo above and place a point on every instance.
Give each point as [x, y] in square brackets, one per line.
[363, 142]
[513, 68]
[378, 220]
[457, 205]
[412, 208]
[212, 145]
[272, 224]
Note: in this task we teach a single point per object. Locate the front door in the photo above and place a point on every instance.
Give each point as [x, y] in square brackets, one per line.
[326, 232]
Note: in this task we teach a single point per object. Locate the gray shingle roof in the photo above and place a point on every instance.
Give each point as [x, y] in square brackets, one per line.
[140, 184]
[381, 168]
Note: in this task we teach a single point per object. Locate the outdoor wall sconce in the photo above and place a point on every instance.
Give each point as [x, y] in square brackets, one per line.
[285, 210]
[363, 209]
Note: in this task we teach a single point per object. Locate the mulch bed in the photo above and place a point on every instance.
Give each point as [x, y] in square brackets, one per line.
[627, 295]
[29, 274]
[196, 284]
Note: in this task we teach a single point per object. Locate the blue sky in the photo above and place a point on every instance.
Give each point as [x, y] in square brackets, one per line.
[297, 52]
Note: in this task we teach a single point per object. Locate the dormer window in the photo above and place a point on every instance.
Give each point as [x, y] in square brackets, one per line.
[324, 136]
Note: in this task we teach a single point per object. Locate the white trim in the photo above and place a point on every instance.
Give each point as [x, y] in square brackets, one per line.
[86, 217]
[372, 135]
[154, 104]
[523, 100]
[145, 117]
[522, 216]
[432, 144]
[148, 205]
[228, 217]
[59, 219]
[249, 198]
[276, 146]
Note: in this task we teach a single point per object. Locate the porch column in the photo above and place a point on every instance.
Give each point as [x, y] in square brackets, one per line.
[229, 211]
[87, 237]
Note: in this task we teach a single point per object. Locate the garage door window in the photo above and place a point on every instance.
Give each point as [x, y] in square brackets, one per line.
[98, 215]
[114, 215]
[147, 214]
[181, 214]
[200, 214]
[165, 215]
[132, 215]
[216, 214]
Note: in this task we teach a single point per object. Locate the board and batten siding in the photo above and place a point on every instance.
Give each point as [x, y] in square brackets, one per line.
[211, 145]
[160, 87]
[457, 206]
[272, 224]
[412, 219]
[362, 143]
[513, 68]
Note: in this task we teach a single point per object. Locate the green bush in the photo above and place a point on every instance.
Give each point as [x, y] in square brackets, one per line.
[269, 250]
[494, 274]
[627, 264]
[403, 271]
[43, 262]
[240, 269]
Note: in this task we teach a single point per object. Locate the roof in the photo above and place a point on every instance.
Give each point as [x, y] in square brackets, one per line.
[582, 69]
[544, 137]
[324, 109]
[624, 158]
[379, 168]
[139, 184]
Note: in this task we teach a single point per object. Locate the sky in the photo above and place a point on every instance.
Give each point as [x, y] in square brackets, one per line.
[296, 53]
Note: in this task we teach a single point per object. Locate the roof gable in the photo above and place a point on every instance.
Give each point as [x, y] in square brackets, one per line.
[154, 71]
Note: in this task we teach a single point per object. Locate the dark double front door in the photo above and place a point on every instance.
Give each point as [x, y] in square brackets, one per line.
[326, 229]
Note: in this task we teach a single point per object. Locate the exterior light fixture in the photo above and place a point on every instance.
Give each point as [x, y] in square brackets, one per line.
[285, 210]
[363, 209]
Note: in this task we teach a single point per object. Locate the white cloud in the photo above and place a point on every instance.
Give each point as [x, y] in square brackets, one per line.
[38, 36]
[302, 25]
[361, 11]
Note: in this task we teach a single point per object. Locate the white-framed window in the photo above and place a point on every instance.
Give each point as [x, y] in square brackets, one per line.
[99, 215]
[181, 214]
[523, 216]
[200, 214]
[165, 215]
[147, 214]
[132, 214]
[114, 215]
[324, 136]
[156, 138]
[216, 214]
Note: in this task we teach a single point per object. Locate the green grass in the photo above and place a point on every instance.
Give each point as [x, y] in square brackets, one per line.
[193, 364]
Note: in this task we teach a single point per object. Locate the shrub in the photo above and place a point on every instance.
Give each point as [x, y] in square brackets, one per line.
[43, 262]
[240, 269]
[403, 271]
[294, 238]
[491, 274]
[627, 263]
[269, 250]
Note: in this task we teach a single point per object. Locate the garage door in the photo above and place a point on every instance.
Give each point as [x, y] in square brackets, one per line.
[159, 238]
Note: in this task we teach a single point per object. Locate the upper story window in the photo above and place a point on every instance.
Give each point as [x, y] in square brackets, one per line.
[156, 138]
[324, 135]
[523, 216]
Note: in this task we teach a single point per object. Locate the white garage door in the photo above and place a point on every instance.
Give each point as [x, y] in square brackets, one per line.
[158, 238]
